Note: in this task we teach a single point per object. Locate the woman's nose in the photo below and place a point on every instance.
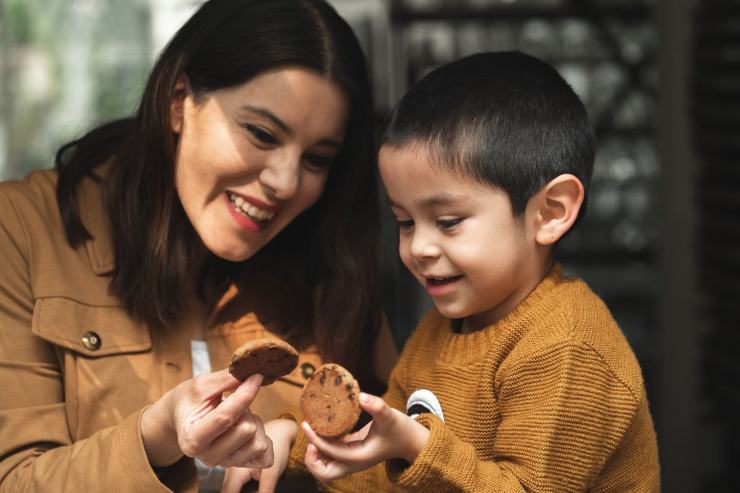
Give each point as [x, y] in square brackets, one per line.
[281, 175]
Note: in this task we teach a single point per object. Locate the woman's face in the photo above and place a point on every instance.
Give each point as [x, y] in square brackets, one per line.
[251, 158]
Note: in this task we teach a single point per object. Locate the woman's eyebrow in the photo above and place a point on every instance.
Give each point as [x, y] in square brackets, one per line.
[270, 115]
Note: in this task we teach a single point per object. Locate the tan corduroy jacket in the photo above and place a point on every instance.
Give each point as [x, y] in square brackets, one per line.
[76, 371]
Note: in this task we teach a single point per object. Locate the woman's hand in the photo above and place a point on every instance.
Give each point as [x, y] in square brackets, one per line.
[192, 419]
[391, 434]
[282, 432]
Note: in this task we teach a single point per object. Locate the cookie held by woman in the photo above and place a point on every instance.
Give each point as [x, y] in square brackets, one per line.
[272, 358]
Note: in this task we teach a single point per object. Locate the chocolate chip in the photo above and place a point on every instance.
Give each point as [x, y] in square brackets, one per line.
[337, 379]
[322, 379]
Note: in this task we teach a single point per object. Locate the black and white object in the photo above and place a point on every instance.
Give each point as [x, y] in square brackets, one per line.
[424, 401]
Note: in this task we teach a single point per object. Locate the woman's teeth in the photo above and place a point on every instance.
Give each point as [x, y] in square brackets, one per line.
[250, 210]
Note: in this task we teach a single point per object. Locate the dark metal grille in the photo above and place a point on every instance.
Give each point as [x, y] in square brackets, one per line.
[715, 111]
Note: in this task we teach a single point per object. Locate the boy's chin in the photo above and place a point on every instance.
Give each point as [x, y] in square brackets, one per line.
[448, 311]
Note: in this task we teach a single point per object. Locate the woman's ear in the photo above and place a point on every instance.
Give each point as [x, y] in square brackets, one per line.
[557, 206]
[177, 106]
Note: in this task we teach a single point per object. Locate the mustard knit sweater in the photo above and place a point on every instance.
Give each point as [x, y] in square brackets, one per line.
[550, 398]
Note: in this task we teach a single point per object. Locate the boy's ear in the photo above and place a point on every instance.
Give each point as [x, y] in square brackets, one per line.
[557, 206]
[177, 106]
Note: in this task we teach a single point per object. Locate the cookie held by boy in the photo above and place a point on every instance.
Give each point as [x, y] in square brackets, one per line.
[330, 401]
[272, 358]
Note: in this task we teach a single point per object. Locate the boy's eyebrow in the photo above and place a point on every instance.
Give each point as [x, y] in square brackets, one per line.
[442, 198]
[284, 126]
[435, 200]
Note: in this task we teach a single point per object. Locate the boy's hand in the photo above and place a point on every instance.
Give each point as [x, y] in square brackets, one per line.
[282, 432]
[391, 434]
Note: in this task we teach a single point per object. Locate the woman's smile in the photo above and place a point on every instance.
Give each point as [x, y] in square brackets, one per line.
[248, 213]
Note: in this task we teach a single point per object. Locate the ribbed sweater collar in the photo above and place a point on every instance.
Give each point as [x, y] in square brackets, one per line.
[471, 347]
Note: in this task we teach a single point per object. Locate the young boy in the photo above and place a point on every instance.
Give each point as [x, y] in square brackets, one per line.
[521, 379]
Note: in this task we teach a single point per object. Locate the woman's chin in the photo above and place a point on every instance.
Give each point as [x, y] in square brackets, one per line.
[232, 253]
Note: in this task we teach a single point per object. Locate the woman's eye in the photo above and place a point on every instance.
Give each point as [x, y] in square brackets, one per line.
[449, 223]
[260, 134]
[318, 161]
[405, 224]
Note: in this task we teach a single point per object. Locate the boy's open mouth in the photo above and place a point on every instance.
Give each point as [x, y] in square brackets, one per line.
[441, 281]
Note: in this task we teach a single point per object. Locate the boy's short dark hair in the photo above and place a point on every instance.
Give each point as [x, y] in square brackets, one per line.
[504, 119]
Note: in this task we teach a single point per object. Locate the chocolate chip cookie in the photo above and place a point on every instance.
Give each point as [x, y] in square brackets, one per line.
[330, 401]
[273, 358]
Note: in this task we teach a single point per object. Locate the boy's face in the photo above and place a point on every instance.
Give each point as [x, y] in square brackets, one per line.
[459, 238]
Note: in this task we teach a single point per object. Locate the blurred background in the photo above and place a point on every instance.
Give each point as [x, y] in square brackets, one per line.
[661, 81]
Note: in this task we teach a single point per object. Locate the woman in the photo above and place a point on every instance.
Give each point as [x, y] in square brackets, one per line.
[239, 202]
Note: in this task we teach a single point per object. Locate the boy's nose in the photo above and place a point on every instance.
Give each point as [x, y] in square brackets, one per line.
[281, 175]
[423, 247]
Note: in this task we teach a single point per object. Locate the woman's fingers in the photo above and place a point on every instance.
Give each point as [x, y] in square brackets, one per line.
[263, 460]
[208, 417]
[211, 425]
[215, 384]
[245, 439]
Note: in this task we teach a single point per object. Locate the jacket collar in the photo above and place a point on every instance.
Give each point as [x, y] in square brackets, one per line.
[95, 219]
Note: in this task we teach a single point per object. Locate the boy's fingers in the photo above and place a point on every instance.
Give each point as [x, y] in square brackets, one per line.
[268, 480]
[324, 469]
[338, 450]
[318, 442]
[358, 435]
[377, 408]
[237, 477]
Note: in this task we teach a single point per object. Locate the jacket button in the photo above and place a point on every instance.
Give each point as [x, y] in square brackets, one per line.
[91, 340]
[307, 370]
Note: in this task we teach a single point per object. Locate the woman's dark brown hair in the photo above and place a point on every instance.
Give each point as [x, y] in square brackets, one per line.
[326, 260]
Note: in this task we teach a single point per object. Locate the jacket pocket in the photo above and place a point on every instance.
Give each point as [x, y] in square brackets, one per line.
[92, 331]
[107, 368]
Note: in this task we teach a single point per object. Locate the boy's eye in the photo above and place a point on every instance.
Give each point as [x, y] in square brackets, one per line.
[261, 134]
[405, 224]
[449, 223]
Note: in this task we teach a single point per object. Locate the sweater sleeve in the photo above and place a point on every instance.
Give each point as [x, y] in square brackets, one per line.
[36, 447]
[562, 413]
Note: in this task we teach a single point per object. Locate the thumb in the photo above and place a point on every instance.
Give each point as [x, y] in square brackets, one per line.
[377, 408]
[217, 382]
[240, 400]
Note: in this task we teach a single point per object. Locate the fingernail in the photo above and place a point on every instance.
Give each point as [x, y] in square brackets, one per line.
[364, 398]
